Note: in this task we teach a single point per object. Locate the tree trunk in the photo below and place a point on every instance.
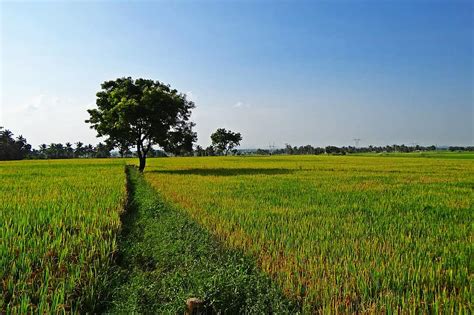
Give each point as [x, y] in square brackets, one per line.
[142, 163]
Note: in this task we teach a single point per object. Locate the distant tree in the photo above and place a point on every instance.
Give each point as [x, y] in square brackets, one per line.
[125, 151]
[157, 153]
[89, 151]
[102, 150]
[6, 143]
[199, 151]
[460, 148]
[13, 149]
[22, 148]
[333, 150]
[262, 152]
[141, 113]
[79, 150]
[180, 140]
[43, 154]
[56, 151]
[210, 151]
[225, 140]
[69, 150]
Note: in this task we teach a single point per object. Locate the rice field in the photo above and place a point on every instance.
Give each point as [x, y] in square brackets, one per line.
[58, 224]
[347, 233]
[363, 234]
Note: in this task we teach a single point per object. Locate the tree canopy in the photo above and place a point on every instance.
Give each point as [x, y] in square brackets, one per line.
[11, 148]
[141, 113]
[225, 140]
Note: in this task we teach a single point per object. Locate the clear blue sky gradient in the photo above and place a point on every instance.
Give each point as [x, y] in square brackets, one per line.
[315, 73]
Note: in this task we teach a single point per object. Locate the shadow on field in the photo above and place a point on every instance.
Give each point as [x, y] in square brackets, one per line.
[226, 171]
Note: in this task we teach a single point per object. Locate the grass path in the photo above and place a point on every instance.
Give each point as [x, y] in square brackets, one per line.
[164, 258]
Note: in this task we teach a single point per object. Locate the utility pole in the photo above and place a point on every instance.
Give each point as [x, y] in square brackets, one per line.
[271, 148]
[356, 142]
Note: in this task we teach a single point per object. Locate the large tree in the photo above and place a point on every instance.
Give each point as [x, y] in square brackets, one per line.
[141, 113]
[225, 140]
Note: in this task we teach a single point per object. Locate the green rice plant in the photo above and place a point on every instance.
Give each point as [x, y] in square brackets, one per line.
[58, 224]
[345, 233]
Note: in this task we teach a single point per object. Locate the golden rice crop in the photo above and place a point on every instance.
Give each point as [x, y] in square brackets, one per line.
[58, 221]
[366, 234]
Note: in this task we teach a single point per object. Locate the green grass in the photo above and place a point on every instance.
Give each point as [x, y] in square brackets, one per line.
[58, 224]
[165, 258]
[352, 233]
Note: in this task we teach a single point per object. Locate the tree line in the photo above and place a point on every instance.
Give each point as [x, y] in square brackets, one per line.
[223, 143]
[13, 148]
[308, 149]
[18, 148]
[142, 114]
[459, 148]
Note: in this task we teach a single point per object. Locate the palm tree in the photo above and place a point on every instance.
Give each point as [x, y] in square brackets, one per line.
[79, 152]
[69, 150]
[90, 150]
[43, 150]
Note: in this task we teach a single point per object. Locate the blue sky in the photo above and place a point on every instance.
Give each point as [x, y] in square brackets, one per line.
[294, 72]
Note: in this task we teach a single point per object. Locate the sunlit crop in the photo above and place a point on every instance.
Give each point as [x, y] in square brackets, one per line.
[355, 233]
[365, 234]
[58, 224]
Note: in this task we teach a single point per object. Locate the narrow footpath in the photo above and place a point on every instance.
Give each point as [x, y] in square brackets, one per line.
[165, 258]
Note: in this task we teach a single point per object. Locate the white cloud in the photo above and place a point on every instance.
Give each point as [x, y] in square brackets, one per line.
[241, 104]
[34, 103]
[40, 102]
